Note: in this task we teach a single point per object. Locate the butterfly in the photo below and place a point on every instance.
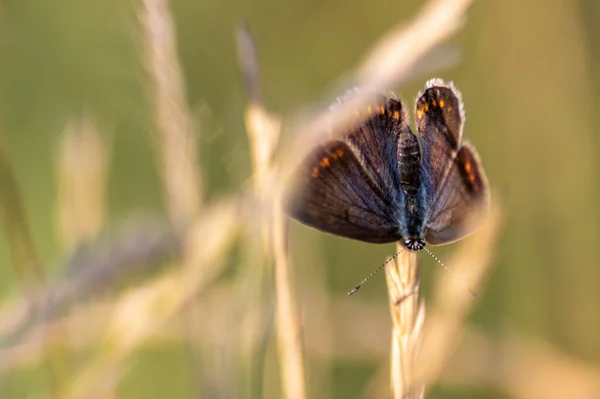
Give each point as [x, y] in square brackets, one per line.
[379, 182]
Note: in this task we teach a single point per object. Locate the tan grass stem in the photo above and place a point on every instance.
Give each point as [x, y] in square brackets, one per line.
[289, 336]
[14, 221]
[452, 301]
[82, 170]
[408, 314]
[176, 144]
[27, 266]
[263, 132]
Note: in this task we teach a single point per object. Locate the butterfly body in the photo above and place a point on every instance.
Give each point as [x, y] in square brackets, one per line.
[382, 183]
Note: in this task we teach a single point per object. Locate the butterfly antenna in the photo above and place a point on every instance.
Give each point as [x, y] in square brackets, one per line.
[475, 295]
[374, 272]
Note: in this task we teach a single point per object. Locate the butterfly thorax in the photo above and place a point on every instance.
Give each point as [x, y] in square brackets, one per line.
[411, 177]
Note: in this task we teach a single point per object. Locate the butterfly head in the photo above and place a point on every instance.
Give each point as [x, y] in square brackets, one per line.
[414, 244]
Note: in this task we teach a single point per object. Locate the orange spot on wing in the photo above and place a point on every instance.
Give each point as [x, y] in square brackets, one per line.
[471, 175]
[338, 154]
[396, 115]
[381, 110]
[442, 103]
[325, 162]
[315, 171]
[419, 113]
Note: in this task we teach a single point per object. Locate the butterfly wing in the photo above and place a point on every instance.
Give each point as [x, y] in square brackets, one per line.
[350, 187]
[439, 117]
[374, 141]
[334, 194]
[457, 186]
[463, 196]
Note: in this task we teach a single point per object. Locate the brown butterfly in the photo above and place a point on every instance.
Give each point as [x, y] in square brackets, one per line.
[381, 183]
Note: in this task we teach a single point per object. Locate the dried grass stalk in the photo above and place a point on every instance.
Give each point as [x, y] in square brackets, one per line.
[16, 226]
[408, 314]
[289, 336]
[420, 349]
[82, 170]
[452, 301]
[263, 132]
[176, 142]
[26, 264]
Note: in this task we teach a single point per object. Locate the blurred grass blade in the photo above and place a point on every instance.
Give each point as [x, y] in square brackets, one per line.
[16, 227]
[176, 143]
[25, 261]
[82, 172]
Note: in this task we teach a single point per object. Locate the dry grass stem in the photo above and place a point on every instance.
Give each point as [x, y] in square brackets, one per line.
[408, 314]
[289, 335]
[82, 170]
[176, 142]
[421, 349]
[26, 263]
[16, 226]
[263, 128]
[452, 301]
[263, 131]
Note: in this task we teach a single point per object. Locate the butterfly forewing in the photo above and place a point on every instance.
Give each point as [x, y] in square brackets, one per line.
[333, 193]
[351, 187]
[463, 197]
[374, 141]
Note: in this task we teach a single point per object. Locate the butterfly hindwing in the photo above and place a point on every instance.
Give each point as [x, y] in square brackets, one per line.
[463, 196]
[333, 193]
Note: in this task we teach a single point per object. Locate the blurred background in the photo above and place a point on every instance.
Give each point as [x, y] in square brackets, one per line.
[526, 71]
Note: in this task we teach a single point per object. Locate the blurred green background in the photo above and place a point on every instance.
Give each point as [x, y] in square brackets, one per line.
[528, 74]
